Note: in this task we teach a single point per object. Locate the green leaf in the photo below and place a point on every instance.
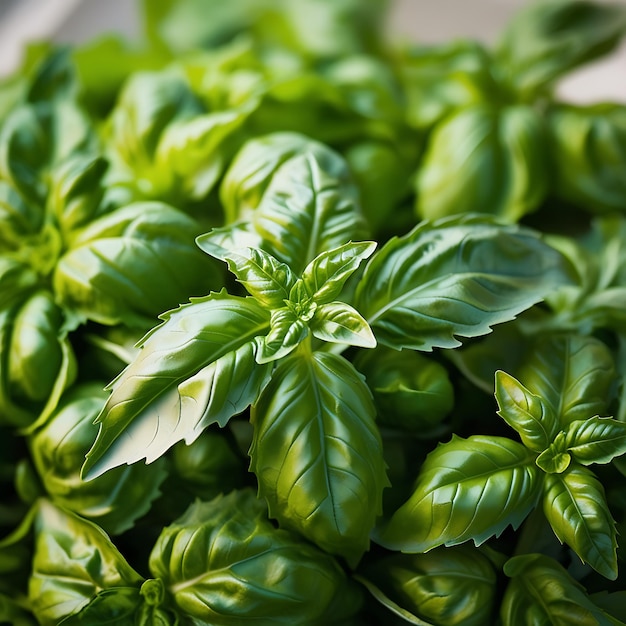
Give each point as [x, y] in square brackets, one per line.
[442, 78]
[571, 374]
[411, 391]
[575, 505]
[74, 560]
[525, 412]
[555, 459]
[37, 361]
[195, 151]
[542, 592]
[58, 449]
[588, 155]
[12, 613]
[265, 278]
[547, 39]
[76, 192]
[305, 203]
[253, 168]
[286, 332]
[116, 606]
[325, 276]
[317, 453]
[20, 219]
[451, 586]
[195, 369]
[223, 562]
[132, 264]
[337, 322]
[477, 486]
[452, 277]
[485, 160]
[596, 440]
[147, 105]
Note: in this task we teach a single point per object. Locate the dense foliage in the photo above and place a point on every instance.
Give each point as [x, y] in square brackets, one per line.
[301, 325]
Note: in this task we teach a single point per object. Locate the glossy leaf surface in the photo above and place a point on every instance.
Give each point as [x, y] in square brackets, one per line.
[525, 412]
[453, 277]
[223, 562]
[73, 560]
[575, 505]
[542, 592]
[446, 586]
[195, 369]
[317, 453]
[466, 489]
[572, 375]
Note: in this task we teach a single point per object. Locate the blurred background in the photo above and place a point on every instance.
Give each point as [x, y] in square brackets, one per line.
[426, 21]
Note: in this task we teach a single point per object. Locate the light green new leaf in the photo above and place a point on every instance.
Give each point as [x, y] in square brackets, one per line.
[74, 559]
[456, 276]
[596, 440]
[224, 563]
[286, 332]
[484, 160]
[575, 504]
[325, 276]
[542, 592]
[466, 489]
[198, 367]
[337, 322]
[555, 459]
[525, 412]
[571, 374]
[317, 453]
[263, 276]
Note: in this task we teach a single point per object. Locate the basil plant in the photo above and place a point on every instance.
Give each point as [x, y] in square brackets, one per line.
[300, 324]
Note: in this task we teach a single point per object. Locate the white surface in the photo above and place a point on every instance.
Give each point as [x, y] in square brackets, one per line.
[426, 21]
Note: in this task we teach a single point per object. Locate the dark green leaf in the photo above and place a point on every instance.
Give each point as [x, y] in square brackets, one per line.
[446, 586]
[477, 486]
[132, 264]
[58, 449]
[195, 369]
[575, 505]
[74, 560]
[116, 606]
[224, 563]
[317, 453]
[454, 277]
[410, 390]
[542, 592]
